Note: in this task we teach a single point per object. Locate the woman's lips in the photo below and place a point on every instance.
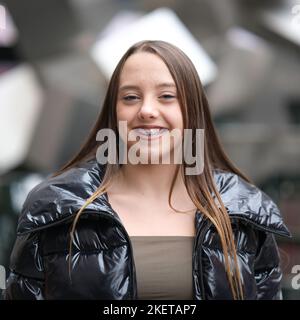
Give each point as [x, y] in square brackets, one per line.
[150, 134]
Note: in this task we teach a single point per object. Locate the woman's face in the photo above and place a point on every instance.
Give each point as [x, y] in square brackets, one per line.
[147, 101]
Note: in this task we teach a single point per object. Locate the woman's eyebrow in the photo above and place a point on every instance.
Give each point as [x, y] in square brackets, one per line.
[166, 84]
[160, 85]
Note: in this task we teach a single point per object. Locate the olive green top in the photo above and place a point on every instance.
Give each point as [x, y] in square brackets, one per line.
[163, 267]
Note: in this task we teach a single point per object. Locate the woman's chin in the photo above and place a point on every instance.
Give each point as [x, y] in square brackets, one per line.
[151, 156]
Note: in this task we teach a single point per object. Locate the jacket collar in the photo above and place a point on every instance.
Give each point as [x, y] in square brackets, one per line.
[246, 201]
[57, 198]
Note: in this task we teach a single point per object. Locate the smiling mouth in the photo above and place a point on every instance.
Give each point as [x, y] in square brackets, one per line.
[150, 133]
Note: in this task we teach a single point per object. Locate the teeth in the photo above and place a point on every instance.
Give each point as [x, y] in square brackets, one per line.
[150, 132]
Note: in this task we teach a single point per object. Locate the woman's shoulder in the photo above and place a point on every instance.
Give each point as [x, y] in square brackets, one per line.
[248, 202]
[58, 197]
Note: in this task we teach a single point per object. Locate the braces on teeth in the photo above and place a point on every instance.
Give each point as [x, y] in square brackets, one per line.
[150, 132]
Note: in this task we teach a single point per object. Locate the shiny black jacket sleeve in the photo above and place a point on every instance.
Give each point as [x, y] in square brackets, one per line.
[26, 278]
[267, 268]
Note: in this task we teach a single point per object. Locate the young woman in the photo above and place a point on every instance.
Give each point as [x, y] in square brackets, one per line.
[130, 230]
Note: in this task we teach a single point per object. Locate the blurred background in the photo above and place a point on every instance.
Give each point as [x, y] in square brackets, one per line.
[56, 57]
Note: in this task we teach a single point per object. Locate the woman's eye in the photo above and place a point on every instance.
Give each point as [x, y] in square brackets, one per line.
[167, 96]
[130, 98]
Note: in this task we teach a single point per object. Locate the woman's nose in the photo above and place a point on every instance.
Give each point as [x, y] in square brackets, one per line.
[148, 110]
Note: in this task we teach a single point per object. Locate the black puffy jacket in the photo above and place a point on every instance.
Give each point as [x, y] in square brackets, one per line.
[102, 261]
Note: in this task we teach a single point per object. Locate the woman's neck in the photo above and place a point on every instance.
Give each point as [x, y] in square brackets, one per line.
[153, 181]
[151, 184]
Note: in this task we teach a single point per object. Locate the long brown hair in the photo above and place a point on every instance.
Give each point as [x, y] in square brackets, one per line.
[196, 114]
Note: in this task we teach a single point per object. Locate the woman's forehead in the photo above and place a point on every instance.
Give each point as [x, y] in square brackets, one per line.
[145, 66]
[158, 85]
